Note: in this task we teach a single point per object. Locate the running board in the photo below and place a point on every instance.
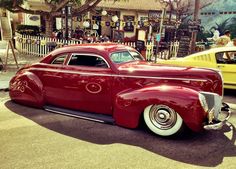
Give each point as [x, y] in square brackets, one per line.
[101, 118]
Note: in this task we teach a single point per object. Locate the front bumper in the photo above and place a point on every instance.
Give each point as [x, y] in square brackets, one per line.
[218, 124]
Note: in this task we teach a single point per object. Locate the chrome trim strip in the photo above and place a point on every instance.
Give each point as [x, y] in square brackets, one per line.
[161, 78]
[47, 75]
[210, 93]
[229, 84]
[113, 75]
[72, 115]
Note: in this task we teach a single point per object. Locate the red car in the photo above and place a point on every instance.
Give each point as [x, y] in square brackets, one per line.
[113, 83]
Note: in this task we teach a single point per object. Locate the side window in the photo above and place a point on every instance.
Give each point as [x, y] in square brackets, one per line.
[226, 57]
[87, 60]
[59, 60]
[220, 57]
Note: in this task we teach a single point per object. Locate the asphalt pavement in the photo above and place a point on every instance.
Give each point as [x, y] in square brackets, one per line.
[34, 138]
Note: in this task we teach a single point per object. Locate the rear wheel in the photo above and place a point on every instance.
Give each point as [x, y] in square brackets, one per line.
[162, 120]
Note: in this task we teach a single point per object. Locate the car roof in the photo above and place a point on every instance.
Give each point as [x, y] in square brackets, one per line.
[220, 49]
[214, 50]
[93, 47]
[104, 49]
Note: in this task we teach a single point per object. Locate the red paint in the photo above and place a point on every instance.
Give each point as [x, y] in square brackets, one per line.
[122, 91]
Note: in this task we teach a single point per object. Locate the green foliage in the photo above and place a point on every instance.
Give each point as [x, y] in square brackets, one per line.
[232, 28]
[222, 26]
[228, 24]
[27, 29]
[8, 4]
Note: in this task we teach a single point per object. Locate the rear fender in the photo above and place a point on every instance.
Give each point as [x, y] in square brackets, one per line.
[27, 89]
[130, 104]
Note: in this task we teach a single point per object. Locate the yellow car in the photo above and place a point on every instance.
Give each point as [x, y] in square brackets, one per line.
[213, 58]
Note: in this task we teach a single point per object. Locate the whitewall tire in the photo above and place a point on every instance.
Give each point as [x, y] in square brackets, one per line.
[162, 120]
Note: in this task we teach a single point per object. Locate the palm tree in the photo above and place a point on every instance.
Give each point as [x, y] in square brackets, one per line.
[228, 24]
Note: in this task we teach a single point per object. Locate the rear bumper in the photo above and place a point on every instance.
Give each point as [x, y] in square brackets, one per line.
[216, 124]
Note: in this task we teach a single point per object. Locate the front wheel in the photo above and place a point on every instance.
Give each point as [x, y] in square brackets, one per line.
[162, 120]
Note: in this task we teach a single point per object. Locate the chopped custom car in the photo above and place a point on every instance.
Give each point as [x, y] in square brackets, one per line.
[214, 58]
[112, 83]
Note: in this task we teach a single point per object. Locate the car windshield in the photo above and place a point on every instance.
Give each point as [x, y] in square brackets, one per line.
[136, 55]
[126, 56]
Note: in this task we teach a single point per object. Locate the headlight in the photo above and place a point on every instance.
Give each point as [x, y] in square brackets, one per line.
[203, 102]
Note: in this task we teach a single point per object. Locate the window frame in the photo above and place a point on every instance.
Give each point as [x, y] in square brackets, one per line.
[60, 55]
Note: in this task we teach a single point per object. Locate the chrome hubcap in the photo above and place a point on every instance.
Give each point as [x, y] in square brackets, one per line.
[162, 116]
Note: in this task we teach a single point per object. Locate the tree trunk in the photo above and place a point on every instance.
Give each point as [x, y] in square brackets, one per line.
[48, 25]
[195, 18]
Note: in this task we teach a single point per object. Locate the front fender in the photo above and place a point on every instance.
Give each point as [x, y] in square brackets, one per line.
[130, 104]
[27, 89]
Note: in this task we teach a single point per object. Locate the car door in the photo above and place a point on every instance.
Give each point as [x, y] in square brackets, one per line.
[228, 69]
[87, 83]
[51, 76]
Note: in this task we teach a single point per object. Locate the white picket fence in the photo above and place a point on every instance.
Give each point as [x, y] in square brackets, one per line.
[174, 47]
[171, 52]
[40, 46]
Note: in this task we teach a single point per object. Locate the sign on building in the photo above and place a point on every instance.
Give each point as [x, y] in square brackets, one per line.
[6, 30]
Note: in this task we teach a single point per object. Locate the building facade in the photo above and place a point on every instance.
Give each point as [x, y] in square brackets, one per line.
[125, 17]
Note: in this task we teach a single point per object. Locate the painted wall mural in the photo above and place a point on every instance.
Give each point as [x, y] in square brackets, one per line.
[220, 15]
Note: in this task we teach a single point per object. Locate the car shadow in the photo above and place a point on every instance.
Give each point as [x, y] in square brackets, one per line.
[229, 92]
[202, 149]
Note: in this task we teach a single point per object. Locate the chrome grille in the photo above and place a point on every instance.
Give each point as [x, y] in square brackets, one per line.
[214, 101]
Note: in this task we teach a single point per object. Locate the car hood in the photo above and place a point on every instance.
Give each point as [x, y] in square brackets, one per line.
[162, 70]
[206, 79]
